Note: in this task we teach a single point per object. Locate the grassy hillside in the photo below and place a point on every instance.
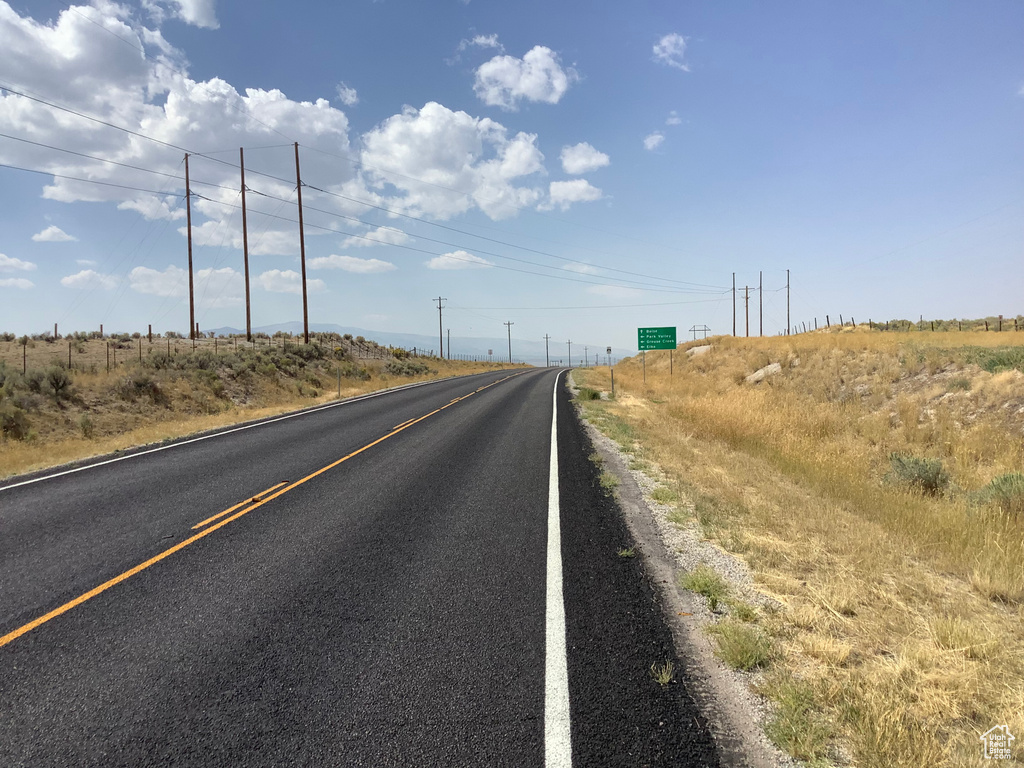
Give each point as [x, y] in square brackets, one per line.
[875, 486]
[51, 412]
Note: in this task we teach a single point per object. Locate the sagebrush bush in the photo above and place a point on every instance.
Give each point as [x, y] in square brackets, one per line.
[1006, 493]
[34, 380]
[58, 381]
[13, 422]
[406, 368]
[925, 475]
[138, 385]
[352, 371]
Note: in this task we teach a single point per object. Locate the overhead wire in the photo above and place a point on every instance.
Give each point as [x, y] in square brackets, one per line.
[434, 253]
[335, 194]
[500, 242]
[451, 244]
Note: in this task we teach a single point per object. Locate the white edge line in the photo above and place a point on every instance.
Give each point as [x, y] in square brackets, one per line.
[315, 409]
[557, 730]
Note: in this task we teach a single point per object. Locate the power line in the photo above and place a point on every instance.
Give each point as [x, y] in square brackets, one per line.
[360, 162]
[456, 245]
[335, 194]
[86, 181]
[501, 242]
[591, 306]
[424, 251]
[90, 157]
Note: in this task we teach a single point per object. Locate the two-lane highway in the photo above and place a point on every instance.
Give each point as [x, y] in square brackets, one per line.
[366, 584]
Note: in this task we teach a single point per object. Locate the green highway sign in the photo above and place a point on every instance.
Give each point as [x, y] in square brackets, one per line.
[656, 338]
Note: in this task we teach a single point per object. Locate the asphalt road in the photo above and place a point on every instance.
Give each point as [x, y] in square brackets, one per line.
[396, 603]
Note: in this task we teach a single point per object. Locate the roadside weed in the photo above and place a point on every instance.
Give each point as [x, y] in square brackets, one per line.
[662, 673]
[705, 581]
[741, 646]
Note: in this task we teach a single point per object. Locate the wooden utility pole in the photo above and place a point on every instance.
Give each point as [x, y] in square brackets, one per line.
[245, 250]
[509, 326]
[191, 287]
[440, 324]
[787, 302]
[449, 344]
[302, 250]
[569, 342]
[733, 303]
[547, 357]
[760, 303]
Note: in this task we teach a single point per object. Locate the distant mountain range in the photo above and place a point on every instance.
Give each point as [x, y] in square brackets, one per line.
[522, 350]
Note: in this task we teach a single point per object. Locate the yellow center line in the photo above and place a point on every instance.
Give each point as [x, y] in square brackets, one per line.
[401, 425]
[257, 497]
[257, 502]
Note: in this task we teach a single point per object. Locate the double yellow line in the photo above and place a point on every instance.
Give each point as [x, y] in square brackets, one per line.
[244, 508]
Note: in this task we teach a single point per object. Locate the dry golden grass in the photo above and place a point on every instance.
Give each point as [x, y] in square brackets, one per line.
[98, 419]
[904, 611]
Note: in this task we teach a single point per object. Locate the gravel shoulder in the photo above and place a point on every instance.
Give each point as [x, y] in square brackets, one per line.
[735, 715]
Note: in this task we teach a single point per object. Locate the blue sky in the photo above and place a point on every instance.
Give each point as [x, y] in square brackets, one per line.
[577, 169]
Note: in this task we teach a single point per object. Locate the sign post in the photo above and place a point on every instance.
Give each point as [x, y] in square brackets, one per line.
[663, 337]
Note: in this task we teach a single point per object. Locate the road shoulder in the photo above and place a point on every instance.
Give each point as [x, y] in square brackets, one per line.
[735, 715]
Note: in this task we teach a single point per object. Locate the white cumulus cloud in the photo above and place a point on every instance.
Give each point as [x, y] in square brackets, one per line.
[457, 260]
[562, 194]
[582, 158]
[213, 287]
[347, 95]
[172, 281]
[199, 13]
[289, 281]
[653, 140]
[11, 264]
[53, 234]
[673, 118]
[16, 282]
[670, 49]
[74, 60]
[504, 81]
[443, 163]
[481, 41]
[378, 236]
[89, 278]
[351, 264]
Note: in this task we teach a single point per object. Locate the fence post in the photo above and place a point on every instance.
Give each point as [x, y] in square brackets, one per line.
[69, 355]
[828, 323]
[108, 357]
